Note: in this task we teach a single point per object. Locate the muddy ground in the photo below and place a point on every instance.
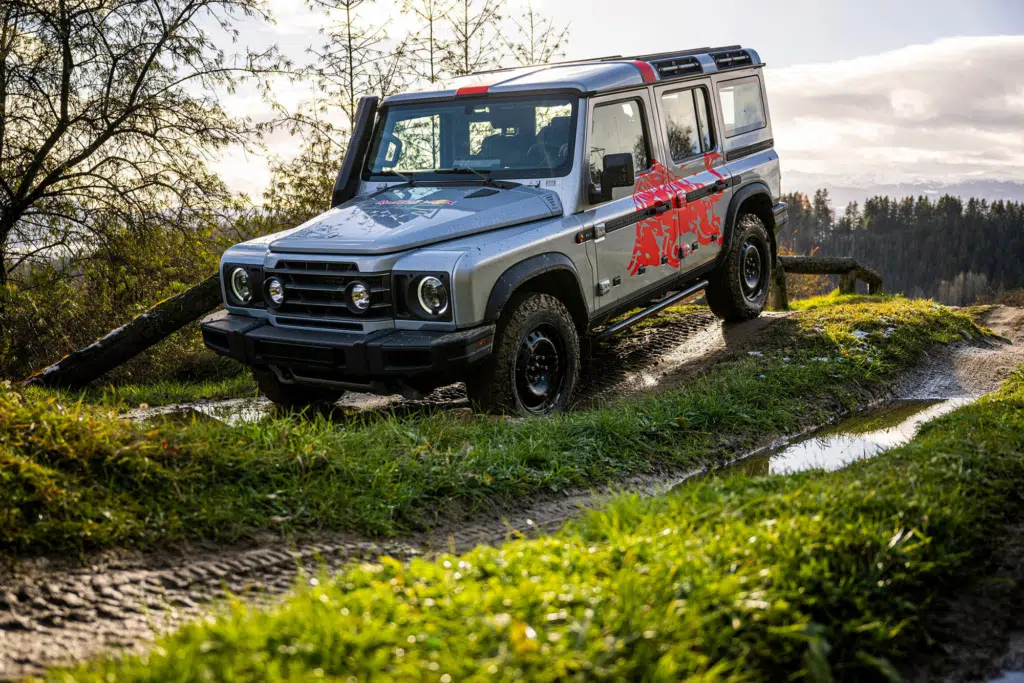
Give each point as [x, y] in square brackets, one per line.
[57, 610]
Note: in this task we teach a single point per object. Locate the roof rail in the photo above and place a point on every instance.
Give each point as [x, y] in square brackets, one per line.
[668, 64]
[611, 58]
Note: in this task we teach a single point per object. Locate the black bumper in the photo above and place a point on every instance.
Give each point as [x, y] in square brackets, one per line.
[388, 357]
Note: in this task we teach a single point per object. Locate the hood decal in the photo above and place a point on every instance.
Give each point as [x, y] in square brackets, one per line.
[404, 217]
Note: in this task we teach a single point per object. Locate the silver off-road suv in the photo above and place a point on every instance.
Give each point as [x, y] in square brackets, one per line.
[489, 231]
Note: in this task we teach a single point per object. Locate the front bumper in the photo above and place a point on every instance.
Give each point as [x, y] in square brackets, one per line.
[378, 361]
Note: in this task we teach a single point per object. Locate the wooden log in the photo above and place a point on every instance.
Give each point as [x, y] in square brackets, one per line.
[167, 317]
[848, 282]
[819, 265]
[780, 297]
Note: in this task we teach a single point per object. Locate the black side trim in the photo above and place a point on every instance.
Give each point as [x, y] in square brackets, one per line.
[516, 275]
[746, 151]
[347, 183]
[636, 217]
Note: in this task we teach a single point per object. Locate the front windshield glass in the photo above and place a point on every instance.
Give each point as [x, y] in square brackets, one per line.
[501, 137]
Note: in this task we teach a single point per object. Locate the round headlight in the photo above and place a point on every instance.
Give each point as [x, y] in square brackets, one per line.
[275, 291]
[240, 285]
[432, 295]
[360, 296]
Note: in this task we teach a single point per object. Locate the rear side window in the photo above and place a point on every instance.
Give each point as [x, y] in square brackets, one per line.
[617, 129]
[686, 123]
[742, 106]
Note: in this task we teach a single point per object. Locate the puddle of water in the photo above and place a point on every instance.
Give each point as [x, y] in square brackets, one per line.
[1010, 677]
[858, 437]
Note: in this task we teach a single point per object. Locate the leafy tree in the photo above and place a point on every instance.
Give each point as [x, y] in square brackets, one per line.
[109, 111]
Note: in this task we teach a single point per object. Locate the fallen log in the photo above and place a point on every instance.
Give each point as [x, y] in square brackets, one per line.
[77, 369]
[848, 269]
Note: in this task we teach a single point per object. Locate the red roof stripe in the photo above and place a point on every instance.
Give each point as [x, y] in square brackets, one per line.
[646, 70]
[473, 90]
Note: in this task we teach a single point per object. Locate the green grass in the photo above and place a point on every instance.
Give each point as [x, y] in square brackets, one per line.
[162, 393]
[72, 477]
[816, 576]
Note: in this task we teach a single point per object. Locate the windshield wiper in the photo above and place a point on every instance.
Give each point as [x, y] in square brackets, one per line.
[485, 176]
[408, 179]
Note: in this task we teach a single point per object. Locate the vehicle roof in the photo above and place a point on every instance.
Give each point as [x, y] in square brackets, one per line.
[591, 76]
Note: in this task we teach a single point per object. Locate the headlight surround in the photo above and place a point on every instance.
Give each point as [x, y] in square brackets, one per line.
[432, 296]
[240, 285]
[423, 296]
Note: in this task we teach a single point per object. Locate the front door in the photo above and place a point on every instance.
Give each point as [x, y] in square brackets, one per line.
[620, 124]
[695, 169]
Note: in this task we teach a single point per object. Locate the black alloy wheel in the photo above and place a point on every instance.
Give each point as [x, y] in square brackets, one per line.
[540, 369]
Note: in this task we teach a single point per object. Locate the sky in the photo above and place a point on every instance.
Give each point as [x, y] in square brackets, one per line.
[865, 92]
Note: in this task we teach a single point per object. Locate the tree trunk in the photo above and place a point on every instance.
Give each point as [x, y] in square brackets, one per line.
[167, 317]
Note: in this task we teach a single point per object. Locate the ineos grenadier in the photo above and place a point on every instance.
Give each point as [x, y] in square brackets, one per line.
[488, 231]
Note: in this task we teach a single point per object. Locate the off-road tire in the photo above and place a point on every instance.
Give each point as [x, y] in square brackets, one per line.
[293, 396]
[495, 388]
[728, 294]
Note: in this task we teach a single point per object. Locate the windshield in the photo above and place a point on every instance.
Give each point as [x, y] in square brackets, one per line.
[497, 137]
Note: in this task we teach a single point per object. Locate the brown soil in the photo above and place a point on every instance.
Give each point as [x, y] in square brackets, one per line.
[60, 610]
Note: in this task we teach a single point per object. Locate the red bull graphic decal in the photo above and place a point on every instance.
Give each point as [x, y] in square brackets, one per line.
[659, 239]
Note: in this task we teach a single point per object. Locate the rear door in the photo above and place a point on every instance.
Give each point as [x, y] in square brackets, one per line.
[616, 124]
[696, 172]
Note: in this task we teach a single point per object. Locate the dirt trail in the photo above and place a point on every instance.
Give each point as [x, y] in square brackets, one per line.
[58, 610]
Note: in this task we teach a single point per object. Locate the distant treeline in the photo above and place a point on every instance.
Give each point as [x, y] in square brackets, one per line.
[955, 251]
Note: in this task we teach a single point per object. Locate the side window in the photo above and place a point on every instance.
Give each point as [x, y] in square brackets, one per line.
[742, 106]
[686, 123]
[617, 129]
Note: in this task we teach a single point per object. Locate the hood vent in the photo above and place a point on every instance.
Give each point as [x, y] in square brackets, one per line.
[733, 59]
[677, 66]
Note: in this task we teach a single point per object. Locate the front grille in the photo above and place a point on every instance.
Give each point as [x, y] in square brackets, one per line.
[315, 292]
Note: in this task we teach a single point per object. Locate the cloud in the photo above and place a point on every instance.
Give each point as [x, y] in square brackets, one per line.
[945, 111]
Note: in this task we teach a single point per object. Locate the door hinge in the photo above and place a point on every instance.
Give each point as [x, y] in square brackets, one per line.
[600, 230]
[603, 287]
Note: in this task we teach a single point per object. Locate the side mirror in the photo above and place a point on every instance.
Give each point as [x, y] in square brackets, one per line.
[618, 172]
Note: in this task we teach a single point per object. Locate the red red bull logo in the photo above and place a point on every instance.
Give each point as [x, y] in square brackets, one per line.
[660, 239]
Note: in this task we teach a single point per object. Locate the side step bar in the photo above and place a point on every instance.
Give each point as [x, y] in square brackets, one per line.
[650, 310]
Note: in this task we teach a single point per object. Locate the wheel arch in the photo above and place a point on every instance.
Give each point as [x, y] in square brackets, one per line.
[752, 198]
[551, 273]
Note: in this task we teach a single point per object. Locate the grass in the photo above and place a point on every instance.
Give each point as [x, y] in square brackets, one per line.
[817, 576]
[162, 393]
[73, 477]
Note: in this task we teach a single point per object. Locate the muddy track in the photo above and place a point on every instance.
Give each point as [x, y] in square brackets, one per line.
[59, 610]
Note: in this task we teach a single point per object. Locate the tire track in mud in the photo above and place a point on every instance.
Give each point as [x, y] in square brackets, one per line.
[57, 610]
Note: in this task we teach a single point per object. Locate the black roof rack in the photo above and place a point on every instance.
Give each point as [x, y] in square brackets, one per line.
[732, 59]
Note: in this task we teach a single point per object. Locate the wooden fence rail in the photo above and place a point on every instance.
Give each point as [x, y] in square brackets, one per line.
[848, 269]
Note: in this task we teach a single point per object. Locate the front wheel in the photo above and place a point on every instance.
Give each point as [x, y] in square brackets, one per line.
[292, 396]
[535, 363]
[738, 290]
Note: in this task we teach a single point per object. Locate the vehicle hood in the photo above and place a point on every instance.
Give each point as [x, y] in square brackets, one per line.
[403, 217]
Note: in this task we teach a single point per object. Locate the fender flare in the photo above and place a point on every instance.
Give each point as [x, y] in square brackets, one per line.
[525, 270]
[739, 196]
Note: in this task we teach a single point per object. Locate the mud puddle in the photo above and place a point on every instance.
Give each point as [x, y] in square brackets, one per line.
[861, 436]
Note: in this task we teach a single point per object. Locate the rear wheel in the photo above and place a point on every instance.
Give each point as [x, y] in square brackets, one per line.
[738, 290]
[535, 363]
[293, 396]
